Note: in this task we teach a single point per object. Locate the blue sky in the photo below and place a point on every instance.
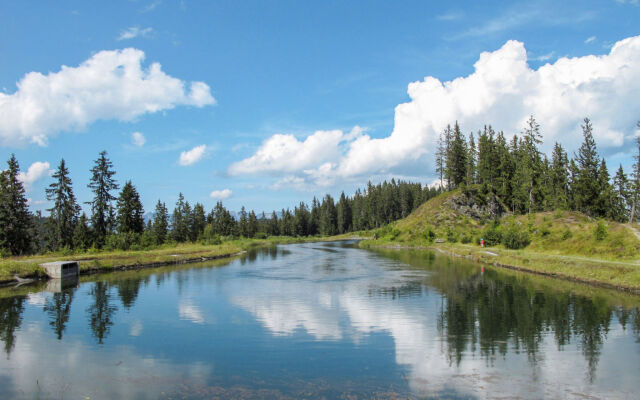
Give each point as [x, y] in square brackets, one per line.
[293, 99]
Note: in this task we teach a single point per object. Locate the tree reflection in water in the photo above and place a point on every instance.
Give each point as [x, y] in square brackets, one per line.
[101, 312]
[10, 319]
[58, 307]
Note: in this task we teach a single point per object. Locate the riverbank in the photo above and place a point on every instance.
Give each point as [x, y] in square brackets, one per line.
[103, 261]
[619, 275]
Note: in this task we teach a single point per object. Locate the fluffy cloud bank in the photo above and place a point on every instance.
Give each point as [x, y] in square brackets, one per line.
[109, 85]
[138, 139]
[192, 156]
[503, 91]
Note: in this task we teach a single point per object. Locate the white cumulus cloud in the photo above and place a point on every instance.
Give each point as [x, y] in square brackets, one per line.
[36, 171]
[503, 91]
[192, 156]
[221, 194]
[138, 139]
[109, 85]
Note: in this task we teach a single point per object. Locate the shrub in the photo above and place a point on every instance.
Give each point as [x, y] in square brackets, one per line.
[394, 234]
[451, 236]
[429, 234]
[567, 234]
[466, 238]
[515, 238]
[600, 232]
[261, 235]
[492, 234]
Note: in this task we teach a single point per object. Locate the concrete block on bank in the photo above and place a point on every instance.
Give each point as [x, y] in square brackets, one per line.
[61, 269]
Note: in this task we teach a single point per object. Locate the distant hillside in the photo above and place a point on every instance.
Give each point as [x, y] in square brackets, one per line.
[466, 217]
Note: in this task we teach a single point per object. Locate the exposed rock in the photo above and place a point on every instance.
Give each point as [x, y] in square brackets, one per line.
[467, 203]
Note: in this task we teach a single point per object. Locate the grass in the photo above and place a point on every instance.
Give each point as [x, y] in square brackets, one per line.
[563, 244]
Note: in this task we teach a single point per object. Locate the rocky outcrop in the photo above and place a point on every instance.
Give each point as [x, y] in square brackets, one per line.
[469, 203]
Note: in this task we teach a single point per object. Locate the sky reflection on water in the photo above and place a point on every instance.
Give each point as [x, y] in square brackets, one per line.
[320, 319]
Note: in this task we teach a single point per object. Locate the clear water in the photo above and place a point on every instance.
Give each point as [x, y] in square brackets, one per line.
[319, 320]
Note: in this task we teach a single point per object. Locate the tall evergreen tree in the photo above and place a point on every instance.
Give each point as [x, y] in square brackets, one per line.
[130, 212]
[620, 199]
[102, 184]
[471, 160]
[16, 222]
[198, 222]
[457, 158]
[344, 217]
[82, 235]
[160, 227]
[64, 213]
[586, 188]
[252, 224]
[179, 227]
[559, 178]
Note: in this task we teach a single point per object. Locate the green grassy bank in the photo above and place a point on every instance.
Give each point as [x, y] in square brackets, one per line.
[562, 244]
[117, 259]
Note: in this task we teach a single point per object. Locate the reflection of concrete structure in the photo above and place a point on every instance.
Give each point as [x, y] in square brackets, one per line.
[58, 285]
[61, 269]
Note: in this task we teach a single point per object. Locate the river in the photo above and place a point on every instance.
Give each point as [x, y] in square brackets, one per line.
[319, 320]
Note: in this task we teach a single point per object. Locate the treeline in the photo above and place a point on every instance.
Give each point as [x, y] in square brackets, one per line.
[522, 179]
[117, 220]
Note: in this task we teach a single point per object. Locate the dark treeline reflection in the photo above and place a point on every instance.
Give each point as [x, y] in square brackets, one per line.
[10, 319]
[494, 313]
[58, 307]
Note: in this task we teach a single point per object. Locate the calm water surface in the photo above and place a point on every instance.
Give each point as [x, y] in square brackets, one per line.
[319, 320]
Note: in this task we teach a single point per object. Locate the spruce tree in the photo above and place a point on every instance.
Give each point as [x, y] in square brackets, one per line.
[620, 199]
[179, 228]
[274, 229]
[82, 237]
[102, 184]
[471, 160]
[559, 178]
[457, 158]
[130, 217]
[16, 222]
[587, 187]
[252, 224]
[198, 222]
[160, 226]
[64, 213]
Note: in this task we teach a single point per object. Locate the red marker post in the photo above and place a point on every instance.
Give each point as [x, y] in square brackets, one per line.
[481, 242]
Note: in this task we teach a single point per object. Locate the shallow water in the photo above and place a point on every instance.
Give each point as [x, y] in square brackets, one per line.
[319, 320]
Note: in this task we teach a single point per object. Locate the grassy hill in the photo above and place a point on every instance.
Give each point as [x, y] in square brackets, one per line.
[561, 243]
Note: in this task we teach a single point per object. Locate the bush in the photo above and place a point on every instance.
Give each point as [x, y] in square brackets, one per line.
[515, 238]
[600, 232]
[566, 234]
[429, 234]
[466, 238]
[394, 234]
[261, 235]
[451, 236]
[492, 235]
[121, 241]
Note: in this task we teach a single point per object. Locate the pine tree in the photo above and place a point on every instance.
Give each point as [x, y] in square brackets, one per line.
[457, 159]
[344, 217]
[587, 190]
[102, 184]
[530, 167]
[604, 200]
[252, 224]
[243, 223]
[620, 201]
[160, 226]
[471, 160]
[16, 222]
[559, 178]
[274, 228]
[328, 216]
[64, 213]
[82, 236]
[130, 212]
[198, 221]
[179, 228]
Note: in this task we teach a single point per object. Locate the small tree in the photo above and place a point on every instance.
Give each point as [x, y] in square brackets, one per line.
[102, 184]
[16, 222]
